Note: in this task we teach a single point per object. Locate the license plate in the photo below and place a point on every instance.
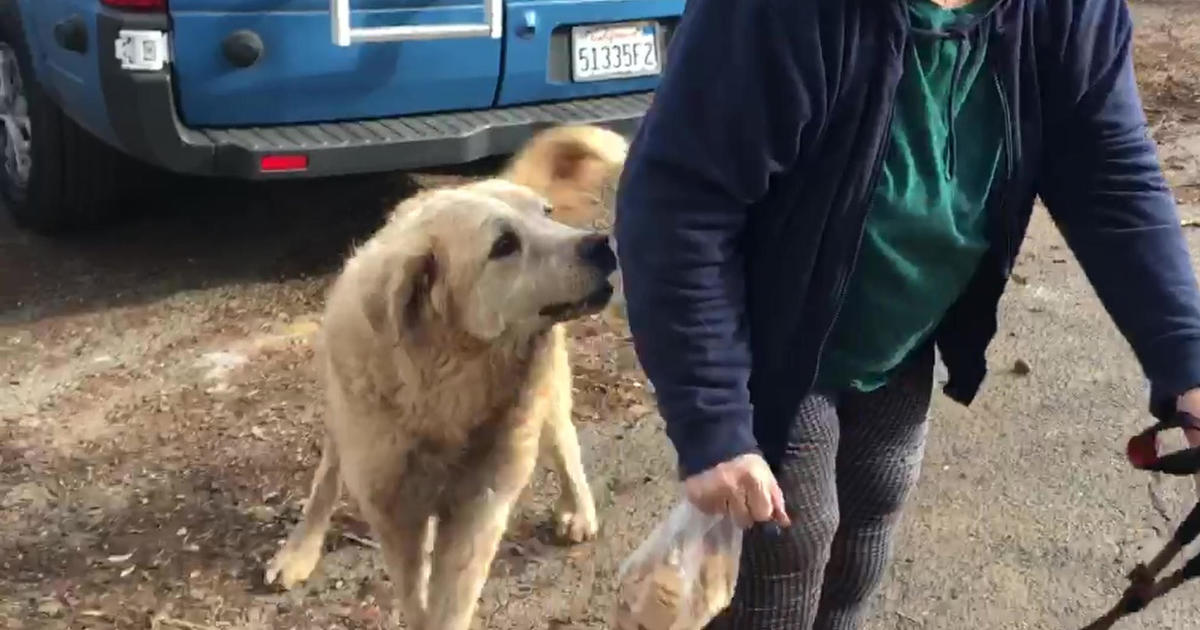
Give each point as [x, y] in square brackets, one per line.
[615, 51]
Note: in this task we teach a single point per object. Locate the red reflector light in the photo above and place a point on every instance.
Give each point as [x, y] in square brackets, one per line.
[276, 163]
[136, 5]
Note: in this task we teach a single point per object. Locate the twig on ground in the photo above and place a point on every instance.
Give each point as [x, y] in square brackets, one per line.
[162, 620]
[366, 542]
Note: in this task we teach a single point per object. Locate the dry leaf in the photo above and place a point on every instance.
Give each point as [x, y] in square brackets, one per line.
[302, 329]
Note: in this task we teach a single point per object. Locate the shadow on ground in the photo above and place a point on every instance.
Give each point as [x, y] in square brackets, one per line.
[199, 234]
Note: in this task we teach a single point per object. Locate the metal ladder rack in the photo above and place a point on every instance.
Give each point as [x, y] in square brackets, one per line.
[346, 35]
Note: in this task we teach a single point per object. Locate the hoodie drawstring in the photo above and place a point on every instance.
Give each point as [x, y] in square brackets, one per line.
[962, 53]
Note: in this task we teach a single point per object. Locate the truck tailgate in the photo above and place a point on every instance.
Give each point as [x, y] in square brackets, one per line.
[301, 76]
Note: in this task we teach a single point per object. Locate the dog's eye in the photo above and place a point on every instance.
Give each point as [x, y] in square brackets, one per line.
[507, 244]
[548, 210]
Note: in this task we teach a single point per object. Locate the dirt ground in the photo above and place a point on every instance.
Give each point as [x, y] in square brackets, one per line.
[157, 409]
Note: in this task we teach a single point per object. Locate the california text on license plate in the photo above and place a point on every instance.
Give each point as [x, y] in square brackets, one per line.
[612, 51]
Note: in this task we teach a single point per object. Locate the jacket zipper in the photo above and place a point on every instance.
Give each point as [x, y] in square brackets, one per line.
[1010, 162]
[864, 202]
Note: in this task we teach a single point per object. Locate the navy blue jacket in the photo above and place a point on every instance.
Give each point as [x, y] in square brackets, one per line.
[743, 200]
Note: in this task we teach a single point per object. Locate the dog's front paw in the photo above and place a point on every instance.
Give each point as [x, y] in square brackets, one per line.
[576, 526]
[291, 566]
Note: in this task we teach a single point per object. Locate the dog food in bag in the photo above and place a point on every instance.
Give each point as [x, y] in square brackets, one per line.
[682, 576]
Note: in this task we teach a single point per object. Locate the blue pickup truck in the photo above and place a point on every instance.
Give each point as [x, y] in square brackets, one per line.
[92, 91]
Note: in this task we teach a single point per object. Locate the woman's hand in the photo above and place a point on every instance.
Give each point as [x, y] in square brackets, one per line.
[743, 487]
[1190, 403]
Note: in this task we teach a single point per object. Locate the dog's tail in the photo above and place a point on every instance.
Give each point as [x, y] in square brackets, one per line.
[561, 152]
[576, 167]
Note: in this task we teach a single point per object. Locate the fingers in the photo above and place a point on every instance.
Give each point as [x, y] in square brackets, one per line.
[743, 488]
[1193, 436]
[739, 508]
[778, 509]
[712, 491]
[705, 499]
[758, 498]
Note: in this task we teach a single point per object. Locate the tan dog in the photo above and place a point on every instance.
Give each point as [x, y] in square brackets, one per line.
[445, 367]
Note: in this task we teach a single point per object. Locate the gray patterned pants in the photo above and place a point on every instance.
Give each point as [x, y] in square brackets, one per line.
[850, 464]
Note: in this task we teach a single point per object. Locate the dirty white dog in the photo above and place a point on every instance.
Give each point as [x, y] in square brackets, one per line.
[445, 367]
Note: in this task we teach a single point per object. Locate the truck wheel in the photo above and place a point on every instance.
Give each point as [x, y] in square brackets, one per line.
[54, 175]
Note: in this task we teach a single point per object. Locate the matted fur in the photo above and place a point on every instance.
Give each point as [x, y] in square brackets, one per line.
[446, 371]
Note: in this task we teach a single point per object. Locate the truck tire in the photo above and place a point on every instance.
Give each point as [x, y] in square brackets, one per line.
[55, 176]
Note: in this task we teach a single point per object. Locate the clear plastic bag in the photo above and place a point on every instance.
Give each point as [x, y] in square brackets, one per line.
[682, 575]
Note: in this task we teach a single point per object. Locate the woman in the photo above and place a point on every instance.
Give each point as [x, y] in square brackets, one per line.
[822, 192]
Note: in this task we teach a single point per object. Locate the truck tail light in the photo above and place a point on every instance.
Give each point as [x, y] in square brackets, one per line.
[136, 5]
[283, 163]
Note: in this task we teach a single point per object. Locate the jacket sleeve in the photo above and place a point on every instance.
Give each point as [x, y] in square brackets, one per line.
[725, 118]
[1105, 189]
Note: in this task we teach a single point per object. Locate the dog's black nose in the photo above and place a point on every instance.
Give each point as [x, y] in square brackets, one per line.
[594, 249]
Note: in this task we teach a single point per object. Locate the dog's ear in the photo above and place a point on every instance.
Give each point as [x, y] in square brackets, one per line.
[403, 295]
[423, 274]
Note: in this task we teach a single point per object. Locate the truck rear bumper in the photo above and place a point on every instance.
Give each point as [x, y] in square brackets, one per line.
[390, 143]
[142, 111]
